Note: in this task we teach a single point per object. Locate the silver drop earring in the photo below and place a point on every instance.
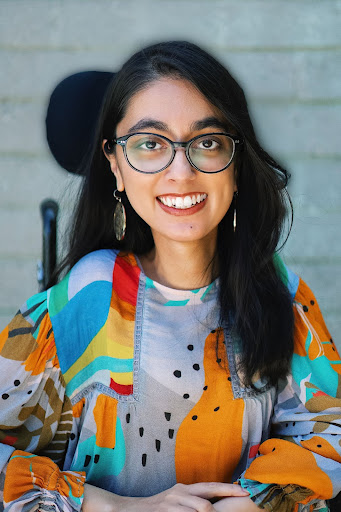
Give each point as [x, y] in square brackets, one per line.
[120, 219]
[235, 212]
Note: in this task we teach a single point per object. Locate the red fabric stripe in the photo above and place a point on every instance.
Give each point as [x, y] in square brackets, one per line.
[121, 389]
[10, 440]
[126, 279]
[253, 451]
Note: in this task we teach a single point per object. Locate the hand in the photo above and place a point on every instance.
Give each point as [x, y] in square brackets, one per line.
[236, 505]
[180, 498]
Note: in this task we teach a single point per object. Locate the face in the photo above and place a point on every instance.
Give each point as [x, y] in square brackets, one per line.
[175, 109]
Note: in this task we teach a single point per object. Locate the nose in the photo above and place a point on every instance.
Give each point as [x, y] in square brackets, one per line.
[180, 169]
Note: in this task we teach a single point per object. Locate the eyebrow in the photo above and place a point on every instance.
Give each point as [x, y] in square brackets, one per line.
[207, 122]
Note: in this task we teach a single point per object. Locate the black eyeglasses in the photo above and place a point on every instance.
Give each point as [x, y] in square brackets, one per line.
[151, 153]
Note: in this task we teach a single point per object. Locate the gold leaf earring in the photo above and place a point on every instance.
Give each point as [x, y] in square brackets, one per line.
[120, 218]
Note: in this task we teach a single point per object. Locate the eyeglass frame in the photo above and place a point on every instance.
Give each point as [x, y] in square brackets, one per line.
[122, 141]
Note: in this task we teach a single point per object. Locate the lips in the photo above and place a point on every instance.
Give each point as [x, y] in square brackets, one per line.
[182, 202]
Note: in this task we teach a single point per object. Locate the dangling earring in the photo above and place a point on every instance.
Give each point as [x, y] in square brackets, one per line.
[120, 219]
[235, 212]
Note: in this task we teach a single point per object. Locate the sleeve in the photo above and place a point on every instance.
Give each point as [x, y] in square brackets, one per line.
[299, 467]
[35, 417]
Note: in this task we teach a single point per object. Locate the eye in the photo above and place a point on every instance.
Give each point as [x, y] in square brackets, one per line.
[209, 144]
[150, 144]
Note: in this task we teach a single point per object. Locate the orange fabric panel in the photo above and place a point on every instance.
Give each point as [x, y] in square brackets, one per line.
[26, 471]
[77, 409]
[3, 337]
[212, 432]
[317, 443]
[36, 361]
[285, 463]
[105, 418]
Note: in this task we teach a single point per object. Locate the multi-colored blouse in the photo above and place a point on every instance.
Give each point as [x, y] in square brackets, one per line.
[116, 380]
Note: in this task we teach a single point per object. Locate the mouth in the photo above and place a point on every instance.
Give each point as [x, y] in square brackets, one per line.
[182, 202]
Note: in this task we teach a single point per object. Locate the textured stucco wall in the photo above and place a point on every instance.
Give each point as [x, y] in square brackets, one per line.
[286, 54]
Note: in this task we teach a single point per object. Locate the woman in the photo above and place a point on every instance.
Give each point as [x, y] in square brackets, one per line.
[178, 365]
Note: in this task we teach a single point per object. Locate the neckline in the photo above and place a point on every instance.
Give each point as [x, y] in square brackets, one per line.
[168, 291]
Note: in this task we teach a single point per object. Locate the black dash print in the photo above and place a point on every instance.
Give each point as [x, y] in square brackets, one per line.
[204, 388]
[144, 459]
[194, 417]
[49, 333]
[190, 347]
[5, 396]
[168, 416]
[177, 374]
[213, 331]
[229, 378]
[96, 458]
[141, 430]
[186, 395]
[319, 445]
[218, 360]
[87, 460]
[128, 417]
[312, 302]
[157, 445]
[19, 331]
[72, 436]
[170, 433]
[29, 392]
[273, 449]
[305, 309]
[17, 382]
[217, 408]
[196, 367]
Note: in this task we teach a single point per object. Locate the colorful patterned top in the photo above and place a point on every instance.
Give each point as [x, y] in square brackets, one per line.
[113, 379]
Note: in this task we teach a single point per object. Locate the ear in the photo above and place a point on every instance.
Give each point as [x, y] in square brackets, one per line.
[111, 156]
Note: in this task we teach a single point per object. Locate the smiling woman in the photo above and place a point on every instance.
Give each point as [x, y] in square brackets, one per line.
[178, 365]
[161, 192]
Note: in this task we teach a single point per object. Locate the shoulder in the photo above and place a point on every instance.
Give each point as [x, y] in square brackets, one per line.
[28, 328]
[309, 322]
[316, 362]
[79, 305]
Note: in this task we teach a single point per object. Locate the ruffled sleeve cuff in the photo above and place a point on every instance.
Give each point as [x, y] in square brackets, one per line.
[277, 498]
[36, 483]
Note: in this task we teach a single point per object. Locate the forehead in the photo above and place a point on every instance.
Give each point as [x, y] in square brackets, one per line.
[175, 102]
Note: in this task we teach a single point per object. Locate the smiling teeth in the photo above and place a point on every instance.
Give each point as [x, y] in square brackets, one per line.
[181, 203]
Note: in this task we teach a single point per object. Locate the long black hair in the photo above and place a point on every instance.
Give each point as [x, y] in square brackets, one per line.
[251, 290]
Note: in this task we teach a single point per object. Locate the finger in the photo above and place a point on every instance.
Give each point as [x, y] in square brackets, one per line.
[196, 503]
[212, 489]
[182, 509]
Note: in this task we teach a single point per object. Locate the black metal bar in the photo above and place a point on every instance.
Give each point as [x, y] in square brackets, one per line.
[49, 212]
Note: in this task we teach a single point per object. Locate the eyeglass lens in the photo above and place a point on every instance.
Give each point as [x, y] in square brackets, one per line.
[151, 153]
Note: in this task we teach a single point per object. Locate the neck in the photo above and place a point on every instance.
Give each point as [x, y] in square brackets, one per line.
[183, 266]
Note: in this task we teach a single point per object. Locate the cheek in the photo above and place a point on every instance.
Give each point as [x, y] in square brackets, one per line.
[139, 193]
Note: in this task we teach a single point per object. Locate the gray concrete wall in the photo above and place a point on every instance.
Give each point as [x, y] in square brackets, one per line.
[286, 54]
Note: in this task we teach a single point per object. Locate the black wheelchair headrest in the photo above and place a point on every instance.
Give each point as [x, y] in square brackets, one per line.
[71, 116]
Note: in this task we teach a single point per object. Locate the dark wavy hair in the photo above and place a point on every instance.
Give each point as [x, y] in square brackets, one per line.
[252, 293]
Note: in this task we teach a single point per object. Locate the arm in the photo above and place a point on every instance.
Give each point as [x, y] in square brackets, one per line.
[180, 497]
[35, 416]
[302, 462]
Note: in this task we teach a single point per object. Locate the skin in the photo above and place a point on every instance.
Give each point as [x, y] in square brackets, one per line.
[190, 238]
